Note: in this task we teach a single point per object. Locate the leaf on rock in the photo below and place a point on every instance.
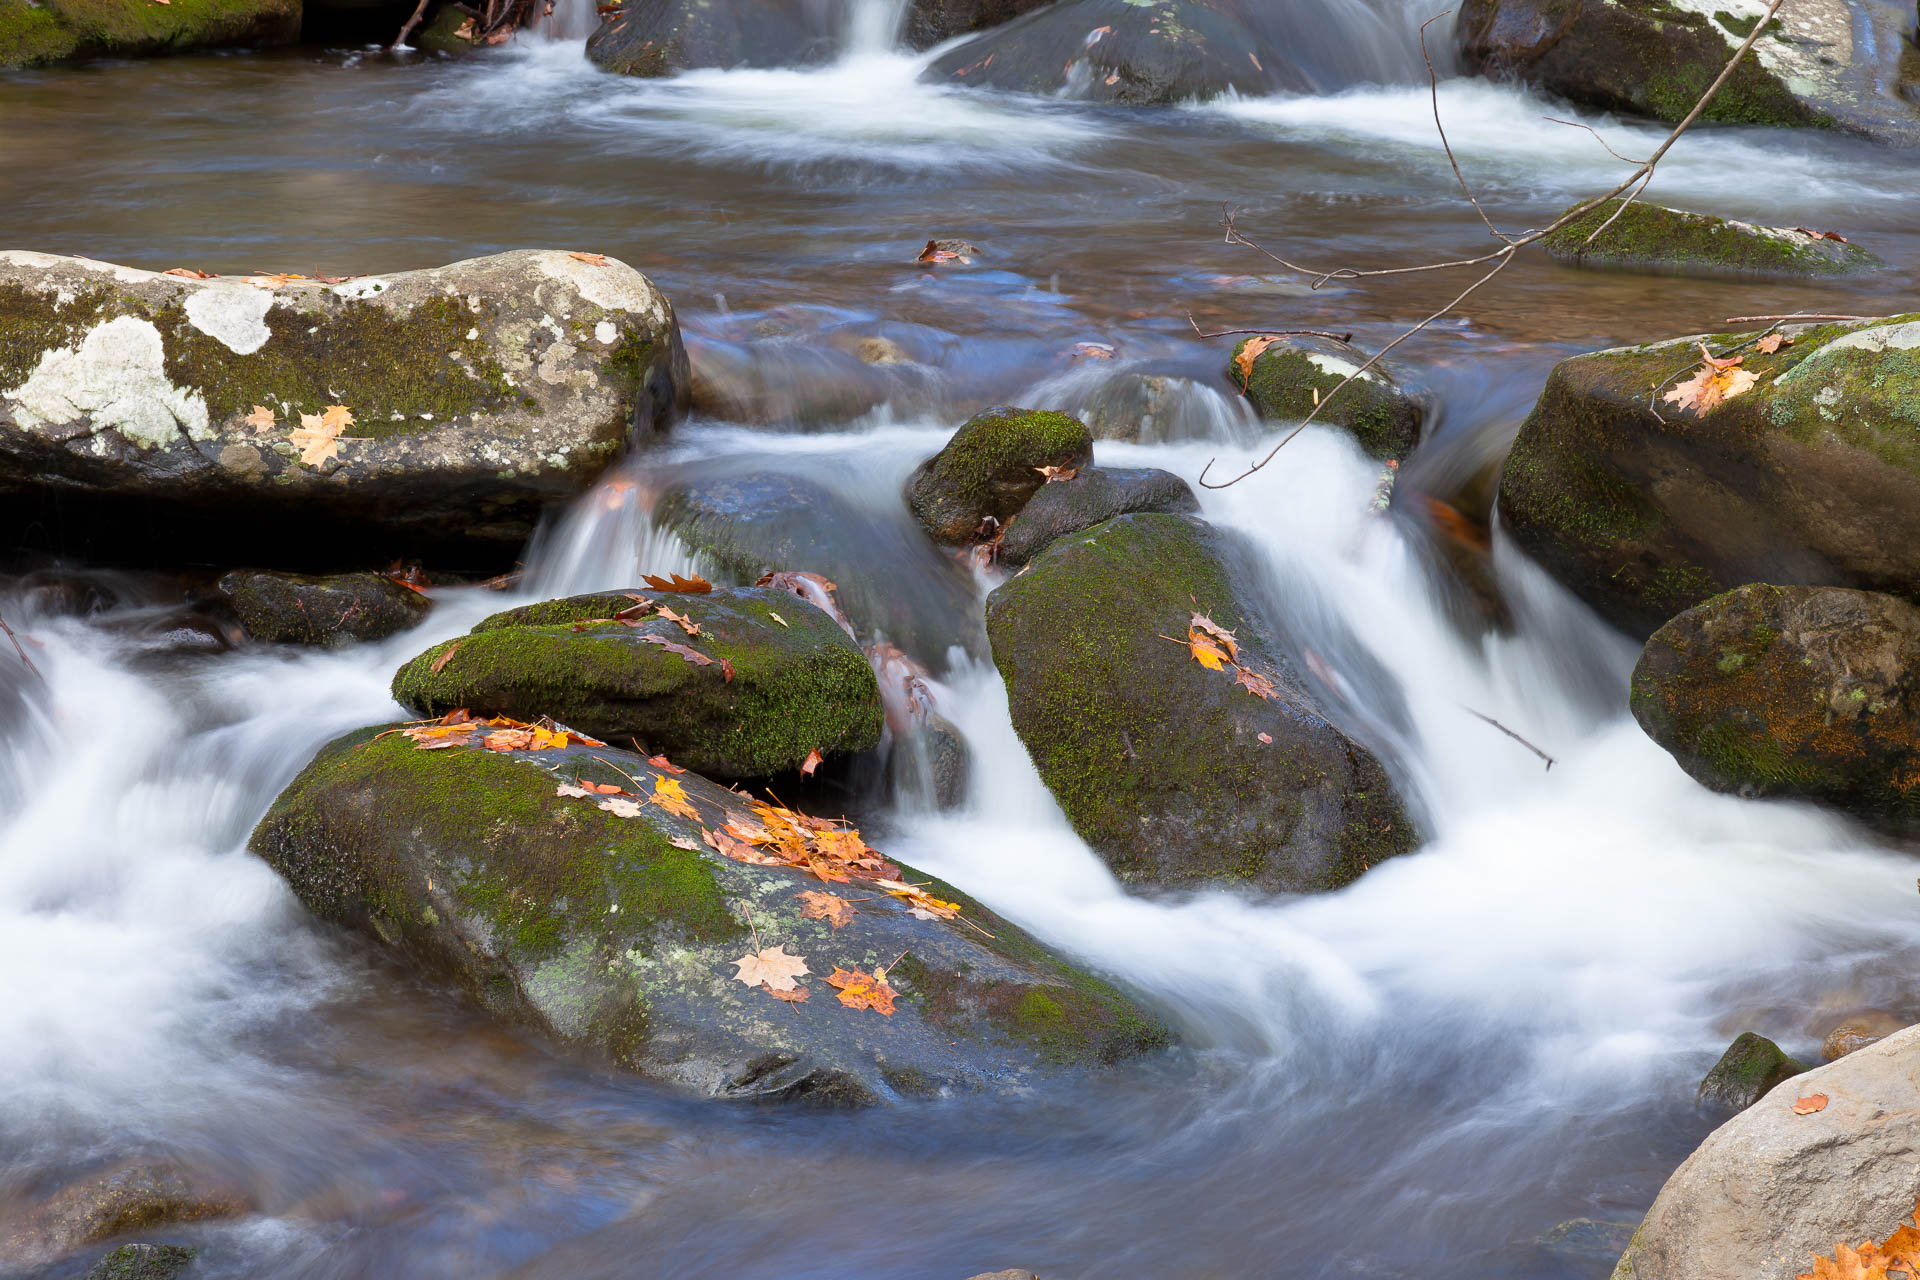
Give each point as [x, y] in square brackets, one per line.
[811, 763]
[1260, 686]
[457, 729]
[1811, 1103]
[1058, 475]
[337, 418]
[1265, 737]
[694, 656]
[1201, 622]
[188, 273]
[728, 847]
[772, 966]
[776, 617]
[671, 795]
[696, 585]
[571, 792]
[1717, 380]
[794, 996]
[591, 259]
[817, 904]
[602, 788]
[934, 253]
[664, 765]
[439, 664]
[861, 990]
[1205, 651]
[314, 440]
[1822, 235]
[1772, 343]
[1249, 352]
[685, 623]
[620, 808]
[261, 419]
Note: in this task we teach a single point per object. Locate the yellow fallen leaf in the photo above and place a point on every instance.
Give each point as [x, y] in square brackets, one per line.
[671, 796]
[1249, 352]
[261, 419]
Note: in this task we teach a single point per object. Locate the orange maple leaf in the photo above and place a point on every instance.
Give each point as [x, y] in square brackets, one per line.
[1717, 380]
[695, 585]
[1249, 352]
[670, 795]
[831, 907]
[861, 990]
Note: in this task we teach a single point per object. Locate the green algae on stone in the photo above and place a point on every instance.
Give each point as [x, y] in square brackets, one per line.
[1295, 375]
[1158, 762]
[1648, 237]
[49, 31]
[770, 695]
[290, 608]
[142, 1262]
[990, 467]
[1750, 1067]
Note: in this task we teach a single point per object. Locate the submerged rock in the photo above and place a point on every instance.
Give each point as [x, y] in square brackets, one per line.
[1296, 374]
[135, 1196]
[38, 32]
[1812, 476]
[1857, 1032]
[619, 937]
[1094, 496]
[1648, 237]
[1749, 1068]
[291, 608]
[1810, 692]
[892, 584]
[147, 416]
[768, 695]
[142, 1262]
[1769, 1187]
[1174, 773]
[1822, 63]
[989, 469]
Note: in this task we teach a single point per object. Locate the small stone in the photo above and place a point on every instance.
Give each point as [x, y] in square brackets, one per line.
[989, 469]
[1749, 1068]
[1857, 1032]
[292, 608]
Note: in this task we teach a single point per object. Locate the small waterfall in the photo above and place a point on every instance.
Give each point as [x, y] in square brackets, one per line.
[569, 19]
[873, 27]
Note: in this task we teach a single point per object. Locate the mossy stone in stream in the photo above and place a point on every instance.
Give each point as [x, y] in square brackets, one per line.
[618, 937]
[1750, 1067]
[1094, 496]
[990, 467]
[1297, 374]
[1647, 237]
[38, 32]
[1175, 774]
[292, 608]
[1812, 476]
[143, 1262]
[769, 695]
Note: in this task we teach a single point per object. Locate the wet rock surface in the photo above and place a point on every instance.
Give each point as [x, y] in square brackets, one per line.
[143, 1262]
[1297, 374]
[1747, 1071]
[134, 1196]
[618, 937]
[1810, 692]
[1095, 495]
[989, 469]
[144, 414]
[1160, 763]
[1648, 237]
[770, 691]
[291, 608]
[1644, 509]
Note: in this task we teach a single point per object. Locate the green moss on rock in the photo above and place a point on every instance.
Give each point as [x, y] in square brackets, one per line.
[990, 468]
[1295, 375]
[1750, 1067]
[1647, 237]
[62, 30]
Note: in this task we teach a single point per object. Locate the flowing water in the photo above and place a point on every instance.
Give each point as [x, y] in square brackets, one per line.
[1416, 1076]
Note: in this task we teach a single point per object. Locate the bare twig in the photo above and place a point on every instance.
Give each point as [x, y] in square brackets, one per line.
[419, 12]
[1510, 733]
[1278, 333]
[1433, 87]
[17, 649]
[1575, 124]
[1500, 258]
[1798, 316]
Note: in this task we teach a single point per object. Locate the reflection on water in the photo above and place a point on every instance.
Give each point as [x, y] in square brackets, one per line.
[1417, 1075]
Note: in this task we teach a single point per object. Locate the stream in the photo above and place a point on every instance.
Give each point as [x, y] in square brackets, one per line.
[1421, 1075]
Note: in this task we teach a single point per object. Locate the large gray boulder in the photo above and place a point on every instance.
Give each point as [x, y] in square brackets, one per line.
[1768, 1189]
[1812, 476]
[620, 937]
[145, 415]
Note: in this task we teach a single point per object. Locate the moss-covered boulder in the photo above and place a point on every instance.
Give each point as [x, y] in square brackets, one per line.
[142, 1262]
[1297, 374]
[1750, 1067]
[989, 469]
[1645, 509]
[1822, 63]
[293, 608]
[1094, 496]
[1648, 237]
[745, 519]
[1174, 773]
[37, 32]
[780, 678]
[618, 937]
[148, 416]
[132, 1196]
[1811, 692]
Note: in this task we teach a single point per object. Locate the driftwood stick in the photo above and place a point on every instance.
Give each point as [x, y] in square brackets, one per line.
[419, 12]
[1478, 715]
[1278, 333]
[17, 649]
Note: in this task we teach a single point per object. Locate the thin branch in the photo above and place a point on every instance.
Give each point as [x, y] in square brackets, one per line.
[419, 12]
[1478, 715]
[1797, 316]
[17, 649]
[1614, 217]
[1433, 87]
[1575, 124]
[1280, 333]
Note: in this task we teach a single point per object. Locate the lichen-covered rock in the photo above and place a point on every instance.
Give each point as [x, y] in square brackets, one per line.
[1769, 1187]
[1812, 476]
[142, 1262]
[1296, 374]
[1750, 1067]
[292, 608]
[769, 695]
[1159, 762]
[893, 586]
[1094, 496]
[37, 32]
[617, 937]
[135, 1196]
[990, 467]
[1822, 63]
[1648, 237]
[481, 393]
[1811, 692]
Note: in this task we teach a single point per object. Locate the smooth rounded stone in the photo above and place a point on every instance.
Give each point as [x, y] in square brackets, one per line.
[142, 1262]
[1152, 408]
[781, 382]
[1857, 1032]
[1809, 477]
[1297, 374]
[616, 937]
[439, 34]
[1822, 63]
[1749, 1068]
[747, 523]
[482, 393]
[1158, 762]
[38, 34]
[661, 37]
[1809, 692]
[134, 1196]
[1094, 496]
[768, 697]
[932, 22]
[291, 608]
[989, 469]
[1769, 1187]
[1648, 237]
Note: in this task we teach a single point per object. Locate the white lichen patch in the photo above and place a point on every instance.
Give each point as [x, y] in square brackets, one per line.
[1876, 340]
[556, 366]
[115, 380]
[365, 287]
[604, 333]
[1340, 368]
[233, 314]
[615, 286]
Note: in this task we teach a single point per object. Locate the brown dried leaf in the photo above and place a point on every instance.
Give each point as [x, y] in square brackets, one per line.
[794, 996]
[772, 966]
[1249, 352]
[696, 585]
[261, 419]
[820, 905]
[1225, 638]
[1709, 387]
[1260, 686]
[811, 763]
[861, 990]
[592, 259]
[188, 273]
[439, 664]
[1772, 343]
[1058, 475]
[1811, 1103]
[694, 656]
[686, 624]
